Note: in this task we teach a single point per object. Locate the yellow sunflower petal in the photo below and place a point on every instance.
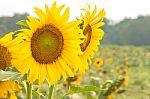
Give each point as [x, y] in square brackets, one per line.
[6, 38]
[41, 15]
[34, 72]
[65, 15]
[42, 74]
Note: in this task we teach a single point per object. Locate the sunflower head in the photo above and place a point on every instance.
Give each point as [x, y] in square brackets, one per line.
[126, 80]
[91, 29]
[109, 60]
[6, 43]
[91, 23]
[8, 89]
[98, 62]
[110, 96]
[51, 46]
[76, 80]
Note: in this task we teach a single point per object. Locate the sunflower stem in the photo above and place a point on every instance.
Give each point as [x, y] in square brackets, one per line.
[51, 89]
[29, 90]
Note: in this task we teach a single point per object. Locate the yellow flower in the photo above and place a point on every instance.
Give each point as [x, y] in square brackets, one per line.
[123, 70]
[77, 79]
[91, 29]
[109, 60]
[50, 49]
[105, 73]
[110, 96]
[98, 62]
[126, 80]
[7, 88]
[6, 43]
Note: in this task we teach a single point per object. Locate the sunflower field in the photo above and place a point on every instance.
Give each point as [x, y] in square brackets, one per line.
[50, 57]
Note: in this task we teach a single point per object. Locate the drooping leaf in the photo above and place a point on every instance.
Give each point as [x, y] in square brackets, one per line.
[9, 75]
[88, 88]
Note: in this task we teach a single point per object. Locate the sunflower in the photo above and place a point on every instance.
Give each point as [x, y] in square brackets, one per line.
[98, 62]
[7, 88]
[126, 80]
[109, 61]
[51, 46]
[110, 96]
[76, 80]
[91, 29]
[6, 44]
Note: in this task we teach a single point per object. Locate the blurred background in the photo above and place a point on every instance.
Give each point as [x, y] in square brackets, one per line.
[127, 22]
[125, 48]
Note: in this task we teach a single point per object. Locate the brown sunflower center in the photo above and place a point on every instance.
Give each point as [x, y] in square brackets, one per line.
[5, 58]
[98, 62]
[46, 44]
[88, 33]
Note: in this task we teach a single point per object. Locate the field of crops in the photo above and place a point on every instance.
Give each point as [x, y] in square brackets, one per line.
[115, 72]
[133, 63]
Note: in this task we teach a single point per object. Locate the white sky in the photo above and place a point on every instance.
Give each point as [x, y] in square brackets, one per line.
[115, 9]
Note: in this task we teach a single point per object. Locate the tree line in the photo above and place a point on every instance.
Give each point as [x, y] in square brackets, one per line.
[8, 24]
[128, 32]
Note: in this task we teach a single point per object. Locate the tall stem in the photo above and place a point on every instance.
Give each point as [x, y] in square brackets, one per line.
[51, 89]
[29, 90]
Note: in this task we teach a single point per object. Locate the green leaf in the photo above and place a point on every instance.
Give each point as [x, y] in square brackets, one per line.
[12, 69]
[9, 75]
[37, 94]
[88, 88]
[22, 23]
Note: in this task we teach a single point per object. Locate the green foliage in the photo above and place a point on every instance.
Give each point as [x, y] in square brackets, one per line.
[75, 89]
[110, 87]
[8, 24]
[128, 32]
[22, 23]
[9, 75]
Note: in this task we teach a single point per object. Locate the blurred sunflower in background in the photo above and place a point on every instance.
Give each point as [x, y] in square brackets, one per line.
[51, 46]
[109, 61]
[90, 27]
[7, 88]
[126, 80]
[76, 80]
[111, 96]
[98, 62]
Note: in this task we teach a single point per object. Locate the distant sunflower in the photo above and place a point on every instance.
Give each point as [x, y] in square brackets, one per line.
[91, 29]
[109, 60]
[76, 80]
[110, 96]
[126, 80]
[51, 46]
[7, 88]
[98, 62]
